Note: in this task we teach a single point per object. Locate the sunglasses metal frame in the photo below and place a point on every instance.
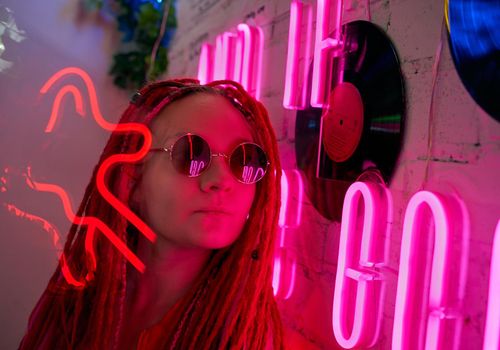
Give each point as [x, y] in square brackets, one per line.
[219, 154]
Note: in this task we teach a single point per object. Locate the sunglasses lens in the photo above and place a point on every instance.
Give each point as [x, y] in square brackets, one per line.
[248, 163]
[191, 155]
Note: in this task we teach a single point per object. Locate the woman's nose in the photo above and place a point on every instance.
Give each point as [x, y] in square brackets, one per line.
[218, 176]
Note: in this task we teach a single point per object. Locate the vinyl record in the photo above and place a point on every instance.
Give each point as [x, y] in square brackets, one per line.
[474, 41]
[362, 127]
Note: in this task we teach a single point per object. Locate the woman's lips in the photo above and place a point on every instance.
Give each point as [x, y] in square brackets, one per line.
[213, 211]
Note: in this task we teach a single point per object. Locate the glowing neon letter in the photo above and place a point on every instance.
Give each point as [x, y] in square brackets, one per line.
[249, 59]
[492, 327]
[247, 173]
[293, 98]
[225, 46]
[206, 64]
[360, 255]
[323, 46]
[413, 327]
[238, 57]
[195, 167]
[283, 256]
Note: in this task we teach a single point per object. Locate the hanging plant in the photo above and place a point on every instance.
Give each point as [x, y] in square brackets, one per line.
[148, 27]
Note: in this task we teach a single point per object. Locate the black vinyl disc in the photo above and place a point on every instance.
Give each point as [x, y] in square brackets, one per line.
[337, 143]
[474, 39]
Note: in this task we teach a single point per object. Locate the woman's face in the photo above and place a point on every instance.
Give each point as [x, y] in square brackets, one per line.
[208, 211]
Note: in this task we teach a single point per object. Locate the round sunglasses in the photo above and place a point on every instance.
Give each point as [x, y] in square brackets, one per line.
[191, 155]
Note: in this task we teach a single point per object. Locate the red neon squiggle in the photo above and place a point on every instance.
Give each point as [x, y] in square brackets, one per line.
[68, 275]
[94, 105]
[67, 89]
[93, 222]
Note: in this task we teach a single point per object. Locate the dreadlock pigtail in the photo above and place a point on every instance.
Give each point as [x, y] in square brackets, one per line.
[215, 319]
[258, 331]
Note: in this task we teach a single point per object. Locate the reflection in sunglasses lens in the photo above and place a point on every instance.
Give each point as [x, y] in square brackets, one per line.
[248, 163]
[191, 155]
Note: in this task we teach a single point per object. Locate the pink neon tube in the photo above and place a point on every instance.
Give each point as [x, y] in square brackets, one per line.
[405, 328]
[359, 255]
[323, 45]
[285, 261]
[294, 96]
[206, 64]
[248, 61]
[292, 60]
[225, 56]
[492, 327]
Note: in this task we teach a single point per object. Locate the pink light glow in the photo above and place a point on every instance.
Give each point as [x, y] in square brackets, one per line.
[291, 185]
[292, 60]
[361, 253]
[284, 200]
[291, 285]
[323, 46]
[260, 59]
[295, 97]
[284, 271]
[206, 64]
[492, 326]
[410, 329]
[285, 264]
[249, 58]
[238, 57]
[225, 46]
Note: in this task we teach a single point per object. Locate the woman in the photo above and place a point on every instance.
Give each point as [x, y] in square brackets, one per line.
[209, 190]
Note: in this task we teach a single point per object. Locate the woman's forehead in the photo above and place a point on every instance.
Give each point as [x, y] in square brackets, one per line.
[208, 115]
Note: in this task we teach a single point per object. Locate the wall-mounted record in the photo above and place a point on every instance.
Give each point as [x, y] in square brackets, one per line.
[362, 127]
[474, 41]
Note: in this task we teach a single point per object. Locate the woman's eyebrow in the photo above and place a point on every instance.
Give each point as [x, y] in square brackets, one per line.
[172, 138]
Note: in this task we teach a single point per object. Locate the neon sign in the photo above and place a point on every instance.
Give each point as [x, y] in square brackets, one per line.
[294, 96]
[285, 261]
[432, 273]
[324, 45]
[237, 56]
[206, 64]
[361, 254]
[433, 290]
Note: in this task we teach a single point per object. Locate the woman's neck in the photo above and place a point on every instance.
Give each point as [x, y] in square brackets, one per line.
[170, 272]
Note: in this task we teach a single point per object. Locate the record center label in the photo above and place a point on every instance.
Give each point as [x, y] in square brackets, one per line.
[343, 122]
